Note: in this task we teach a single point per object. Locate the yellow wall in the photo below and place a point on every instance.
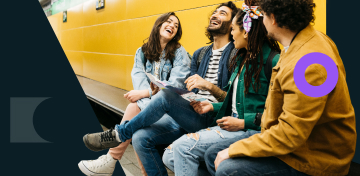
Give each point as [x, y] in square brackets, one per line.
[101, 44]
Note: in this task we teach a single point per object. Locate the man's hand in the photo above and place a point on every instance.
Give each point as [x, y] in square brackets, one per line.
[196, 81]
[221, 156]
[202, 107]
[155, 89]
[135, 95]
[231, 123]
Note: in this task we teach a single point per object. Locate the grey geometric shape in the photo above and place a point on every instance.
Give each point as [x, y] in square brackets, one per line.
[22, 111]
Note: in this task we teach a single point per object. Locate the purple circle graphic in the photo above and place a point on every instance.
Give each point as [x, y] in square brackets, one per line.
[304, 63]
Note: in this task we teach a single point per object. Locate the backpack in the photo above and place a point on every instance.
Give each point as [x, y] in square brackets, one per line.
[268, 66]
[267, 69]
[205, 48]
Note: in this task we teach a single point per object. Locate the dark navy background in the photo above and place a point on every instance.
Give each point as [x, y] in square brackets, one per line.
[342, 26]
[33, 64]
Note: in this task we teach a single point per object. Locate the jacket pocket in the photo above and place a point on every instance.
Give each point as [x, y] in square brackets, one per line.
[274, 84]
[255, 101]
[166, 72]
[262, 90]
[148, 68]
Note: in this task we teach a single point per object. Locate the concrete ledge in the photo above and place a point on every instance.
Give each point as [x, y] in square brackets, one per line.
[107, 96]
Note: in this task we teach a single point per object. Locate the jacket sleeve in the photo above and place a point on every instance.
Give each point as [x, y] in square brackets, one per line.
[138, 76]
[299, 115]
[217, 106]
[180, 70]
[249, 121]
[194, 67]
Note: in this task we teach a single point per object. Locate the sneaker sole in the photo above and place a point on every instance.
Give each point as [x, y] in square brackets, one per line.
[86, 142]
[87, 172]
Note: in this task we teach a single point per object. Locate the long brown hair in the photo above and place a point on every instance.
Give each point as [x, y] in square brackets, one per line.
[256, 39]
[152, 48]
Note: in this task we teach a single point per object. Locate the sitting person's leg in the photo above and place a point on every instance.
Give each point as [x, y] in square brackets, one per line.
[117, 152]
[131, 111]
[164, 131]
[107, 162]
[269, 166]
[212, 151]
[164, 102]
[184, 155]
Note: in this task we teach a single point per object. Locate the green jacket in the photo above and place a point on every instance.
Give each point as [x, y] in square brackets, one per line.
[254, 102]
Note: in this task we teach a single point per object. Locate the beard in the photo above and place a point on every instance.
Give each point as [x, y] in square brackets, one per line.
[222, 30]
[272, 36]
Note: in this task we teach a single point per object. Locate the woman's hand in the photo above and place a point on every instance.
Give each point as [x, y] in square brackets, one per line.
[155, 89]
[196, 81]
[135, 95]
[231, 123]
[202, 107]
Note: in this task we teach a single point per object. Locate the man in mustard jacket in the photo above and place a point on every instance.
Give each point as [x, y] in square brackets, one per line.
[300, 134]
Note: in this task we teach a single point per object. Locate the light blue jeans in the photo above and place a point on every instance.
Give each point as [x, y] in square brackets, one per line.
[184, 155]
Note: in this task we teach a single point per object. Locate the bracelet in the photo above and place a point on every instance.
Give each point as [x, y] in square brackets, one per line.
[221, 95]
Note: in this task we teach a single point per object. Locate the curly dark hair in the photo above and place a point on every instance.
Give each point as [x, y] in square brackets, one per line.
[234, 10]
[294, 15]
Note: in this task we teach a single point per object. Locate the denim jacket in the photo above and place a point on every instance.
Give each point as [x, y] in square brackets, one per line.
[223, 73]
[174, 76]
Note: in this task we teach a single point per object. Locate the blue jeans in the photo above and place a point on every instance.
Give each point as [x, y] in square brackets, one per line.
[269, 166]
[165, 102]
[154, 126]
[184, 155]
[164, 131]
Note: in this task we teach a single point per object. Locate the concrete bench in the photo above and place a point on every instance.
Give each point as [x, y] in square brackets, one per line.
[105, 95]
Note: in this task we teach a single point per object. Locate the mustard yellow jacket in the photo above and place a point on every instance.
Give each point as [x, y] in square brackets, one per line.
[315, 136]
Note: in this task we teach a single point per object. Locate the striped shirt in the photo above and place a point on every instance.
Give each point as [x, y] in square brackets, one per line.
[212, 73]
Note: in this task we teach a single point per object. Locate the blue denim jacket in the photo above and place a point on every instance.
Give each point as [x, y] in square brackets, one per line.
[223, 73]
[174, 76]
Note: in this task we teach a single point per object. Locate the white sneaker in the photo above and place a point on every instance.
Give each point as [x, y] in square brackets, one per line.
[103, 166]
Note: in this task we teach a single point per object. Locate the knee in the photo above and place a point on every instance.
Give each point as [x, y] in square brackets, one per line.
[140, 139]
[168, 157]
[165, 95]
[160, 95]
[224, 169]
[185, 143]
[132, 106]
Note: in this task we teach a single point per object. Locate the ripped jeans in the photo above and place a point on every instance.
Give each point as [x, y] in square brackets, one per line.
[184, 155]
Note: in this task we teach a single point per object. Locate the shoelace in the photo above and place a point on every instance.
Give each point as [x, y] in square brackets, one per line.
[107, 136]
